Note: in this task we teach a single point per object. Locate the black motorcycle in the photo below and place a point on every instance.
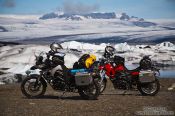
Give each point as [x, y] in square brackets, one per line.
[52, 71]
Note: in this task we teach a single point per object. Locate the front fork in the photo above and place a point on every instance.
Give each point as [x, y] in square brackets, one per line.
[38, 79]
[102, 76]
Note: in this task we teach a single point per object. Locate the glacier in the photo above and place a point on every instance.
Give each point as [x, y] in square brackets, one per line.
[29, 28]
[16, 59]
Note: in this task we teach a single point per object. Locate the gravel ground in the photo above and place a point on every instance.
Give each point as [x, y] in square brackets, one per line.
[110, 103]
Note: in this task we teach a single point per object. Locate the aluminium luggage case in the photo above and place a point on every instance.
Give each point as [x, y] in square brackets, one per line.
[146, 76]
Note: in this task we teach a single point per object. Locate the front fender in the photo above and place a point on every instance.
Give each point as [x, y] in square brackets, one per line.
[33, 72]
[36, 73]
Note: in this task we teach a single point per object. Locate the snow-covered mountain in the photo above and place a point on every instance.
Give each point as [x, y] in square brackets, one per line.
[111, 15]
[124, 16]
[97, 15]
[85, 16]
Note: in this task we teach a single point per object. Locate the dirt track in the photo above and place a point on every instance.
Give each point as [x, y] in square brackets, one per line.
[110, 103]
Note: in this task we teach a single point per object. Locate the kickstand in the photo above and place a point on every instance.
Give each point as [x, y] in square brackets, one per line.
[124, 92]
[61, 97]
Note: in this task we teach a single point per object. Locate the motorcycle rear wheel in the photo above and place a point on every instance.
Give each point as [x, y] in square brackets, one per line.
[31, 88]
[90, 92]
[150, 89]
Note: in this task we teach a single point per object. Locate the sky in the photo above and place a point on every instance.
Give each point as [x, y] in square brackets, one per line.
[149, 9]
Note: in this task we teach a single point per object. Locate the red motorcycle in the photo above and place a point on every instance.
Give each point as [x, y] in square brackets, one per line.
[144, 78]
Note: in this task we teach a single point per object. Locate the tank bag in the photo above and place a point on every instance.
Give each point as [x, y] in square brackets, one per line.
[81, 62]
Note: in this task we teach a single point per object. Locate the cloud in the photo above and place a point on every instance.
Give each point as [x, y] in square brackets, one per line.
[8, 3]
[78, 8]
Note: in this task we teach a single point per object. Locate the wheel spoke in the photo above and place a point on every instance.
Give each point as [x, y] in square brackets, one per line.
[32, 88]
[149, 88]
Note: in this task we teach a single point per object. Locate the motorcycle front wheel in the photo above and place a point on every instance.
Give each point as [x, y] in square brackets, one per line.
[149, 88]
[31, 87]
[90, 92]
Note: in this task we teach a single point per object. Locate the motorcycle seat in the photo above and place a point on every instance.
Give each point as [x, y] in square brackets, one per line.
[133, 70]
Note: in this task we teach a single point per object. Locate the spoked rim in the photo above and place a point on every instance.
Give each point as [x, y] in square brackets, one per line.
[32, 87]
[91, 90]
[149, 88]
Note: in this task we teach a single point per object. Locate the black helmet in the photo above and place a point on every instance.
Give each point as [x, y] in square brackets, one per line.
[145, 63]
[55, 46]
[109, 51]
